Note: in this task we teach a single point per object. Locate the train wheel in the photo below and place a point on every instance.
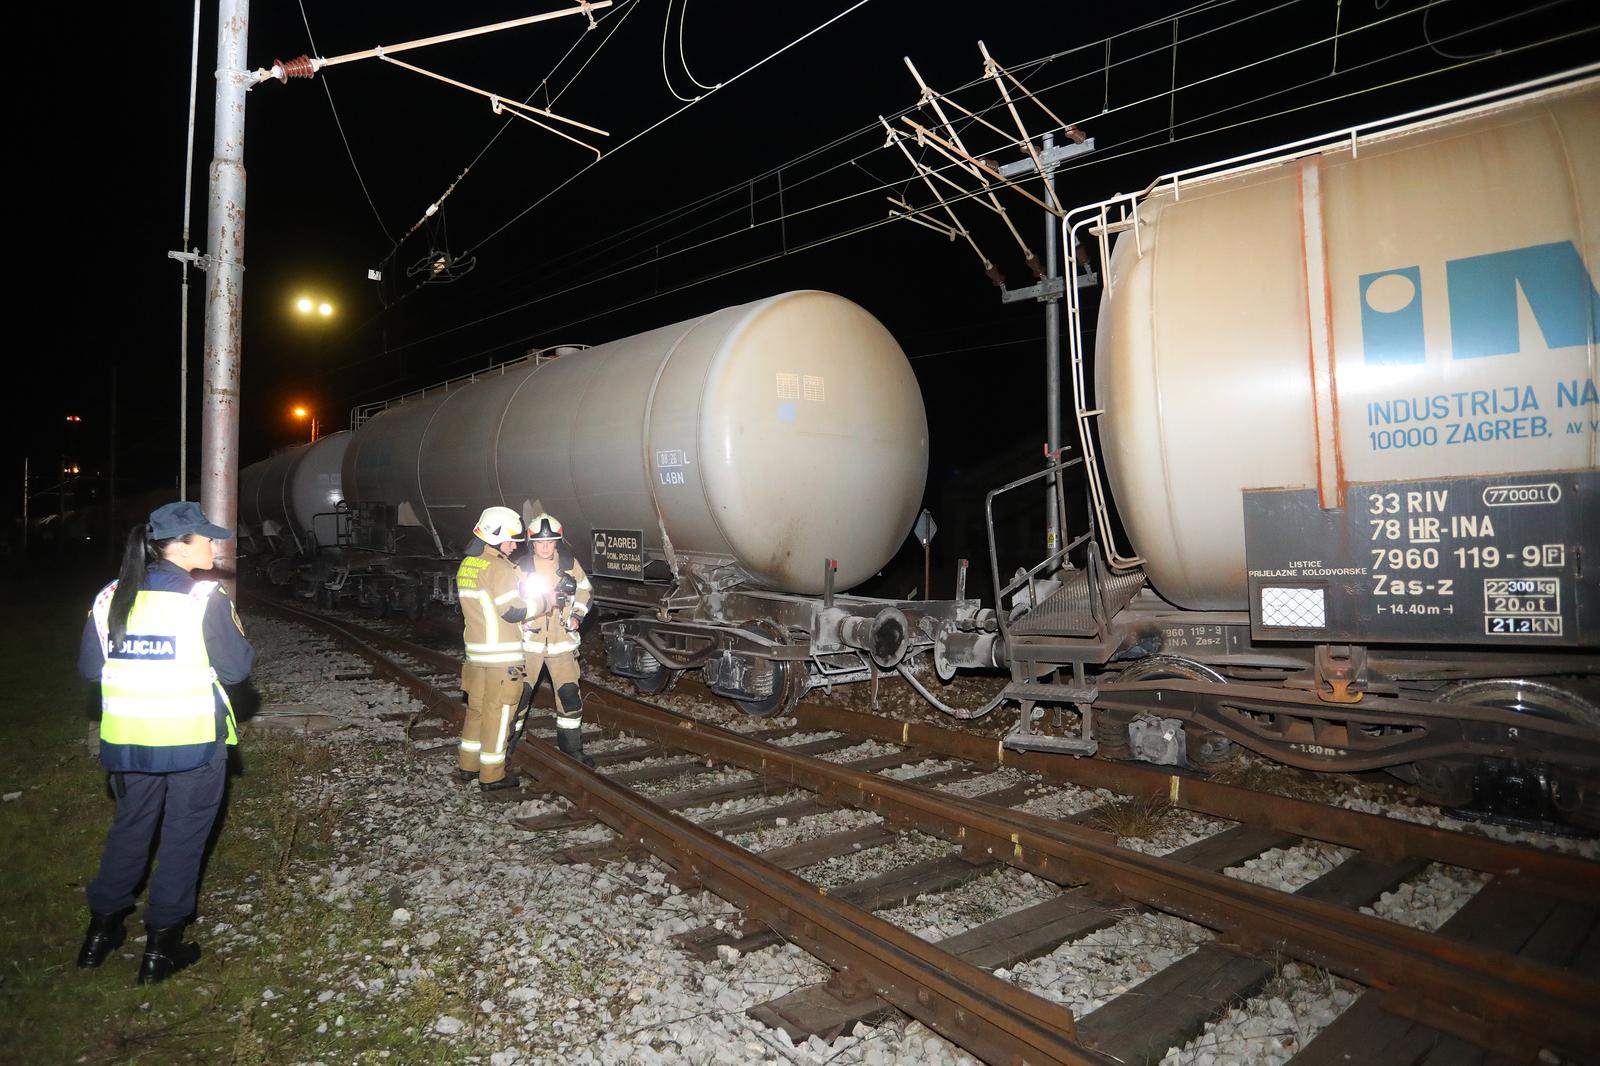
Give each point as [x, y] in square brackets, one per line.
[1451, 784]
[1206, 749]
[656, 683]
[785, 686]
[781, 699]
[1522, 696]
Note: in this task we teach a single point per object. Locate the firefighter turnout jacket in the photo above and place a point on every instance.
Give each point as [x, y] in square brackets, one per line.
[487, 583]
[547, 632]
[163, 708]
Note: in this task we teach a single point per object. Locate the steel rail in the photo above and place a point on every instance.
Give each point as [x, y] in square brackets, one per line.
[1566, 877]
[1494, 999]
[990, 1017]
[1491, 998]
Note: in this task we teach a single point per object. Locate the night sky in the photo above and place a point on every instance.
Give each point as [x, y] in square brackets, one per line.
[613, 253]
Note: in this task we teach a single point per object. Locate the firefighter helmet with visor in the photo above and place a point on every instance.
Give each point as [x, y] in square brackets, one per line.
[497, 525]
[544, 527]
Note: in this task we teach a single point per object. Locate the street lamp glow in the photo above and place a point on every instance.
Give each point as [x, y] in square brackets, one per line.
[303, 305]
[324, 309]
[302, 412]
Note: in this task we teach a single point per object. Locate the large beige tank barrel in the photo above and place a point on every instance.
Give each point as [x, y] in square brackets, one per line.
[771, 436]
[1458, 266]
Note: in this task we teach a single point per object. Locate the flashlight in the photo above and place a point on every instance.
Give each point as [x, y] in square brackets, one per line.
[536, 591]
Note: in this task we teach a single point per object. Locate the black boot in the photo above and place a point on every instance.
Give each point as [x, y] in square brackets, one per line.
[508, 781]
[105, 934]
[165, 953]
[570, 741]
[466, 777]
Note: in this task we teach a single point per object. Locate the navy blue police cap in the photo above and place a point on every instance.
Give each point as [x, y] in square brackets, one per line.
[177, 519]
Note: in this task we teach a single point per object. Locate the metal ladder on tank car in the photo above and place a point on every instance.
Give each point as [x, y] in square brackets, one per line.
[1068, 628]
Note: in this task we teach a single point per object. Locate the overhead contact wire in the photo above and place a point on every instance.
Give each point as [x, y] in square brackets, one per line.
[662, 121]
[865, 227]
[603, 249]
[1121, 107]
[348, 151]
[543, 83]
[1089, 161]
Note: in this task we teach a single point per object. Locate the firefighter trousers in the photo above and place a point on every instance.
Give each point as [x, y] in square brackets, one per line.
[563, 668]
[492, 693]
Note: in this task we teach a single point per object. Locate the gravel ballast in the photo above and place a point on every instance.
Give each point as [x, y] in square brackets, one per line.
[576, 963]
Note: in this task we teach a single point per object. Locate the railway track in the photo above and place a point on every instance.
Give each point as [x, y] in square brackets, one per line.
[1515, 973]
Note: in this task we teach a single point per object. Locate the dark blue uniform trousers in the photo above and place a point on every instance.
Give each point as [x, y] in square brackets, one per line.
[184, 804]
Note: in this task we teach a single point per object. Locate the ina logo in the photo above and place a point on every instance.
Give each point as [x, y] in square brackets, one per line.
[1482, 294]
[599, 543]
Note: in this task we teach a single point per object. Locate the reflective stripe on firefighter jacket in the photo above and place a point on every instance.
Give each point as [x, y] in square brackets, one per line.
[547, 633]
[158, 693]
[486, 584]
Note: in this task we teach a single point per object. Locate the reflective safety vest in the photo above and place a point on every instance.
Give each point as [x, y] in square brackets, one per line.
[547, 634]
[158, 692]
[486, 584]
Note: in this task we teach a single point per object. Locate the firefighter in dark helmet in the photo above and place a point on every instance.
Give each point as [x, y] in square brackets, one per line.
[557, 592]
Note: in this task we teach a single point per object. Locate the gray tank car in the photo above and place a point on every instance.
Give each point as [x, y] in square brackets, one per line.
[741, 442]
[710, 473]
[292, 503]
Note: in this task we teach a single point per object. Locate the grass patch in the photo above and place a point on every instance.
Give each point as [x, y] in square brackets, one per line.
[1260, 775]
[272, 851]
[1137, 819]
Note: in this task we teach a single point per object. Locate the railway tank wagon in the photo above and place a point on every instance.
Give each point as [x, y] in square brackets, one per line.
[1344, 403]
[721, 477]
[742, 441]
[291, 503]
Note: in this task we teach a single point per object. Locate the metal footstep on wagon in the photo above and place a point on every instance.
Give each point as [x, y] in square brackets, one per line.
[1065, 623]
[1069, 610]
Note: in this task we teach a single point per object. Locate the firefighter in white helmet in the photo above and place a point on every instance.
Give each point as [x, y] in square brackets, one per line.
[557, 593]
[489, 586]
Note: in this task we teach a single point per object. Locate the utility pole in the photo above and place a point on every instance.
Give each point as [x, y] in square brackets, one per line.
[61, 507]
[185, 256]
[219, 413]
[111, 478]
[1048, 291]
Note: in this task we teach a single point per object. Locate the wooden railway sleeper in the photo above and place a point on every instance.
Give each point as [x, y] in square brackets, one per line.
[1484, 995]
[1454, 980]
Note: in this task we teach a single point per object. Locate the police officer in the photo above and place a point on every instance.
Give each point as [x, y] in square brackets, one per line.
[487, 583]
[558, 594]
[161, 644]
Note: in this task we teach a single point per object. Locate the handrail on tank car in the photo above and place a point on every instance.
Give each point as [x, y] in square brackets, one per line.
[361, 413]
[1054, 470]
[341, 525]
[1097, 219]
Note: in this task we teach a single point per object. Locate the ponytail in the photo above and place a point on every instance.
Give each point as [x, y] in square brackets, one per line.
[137, 556]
